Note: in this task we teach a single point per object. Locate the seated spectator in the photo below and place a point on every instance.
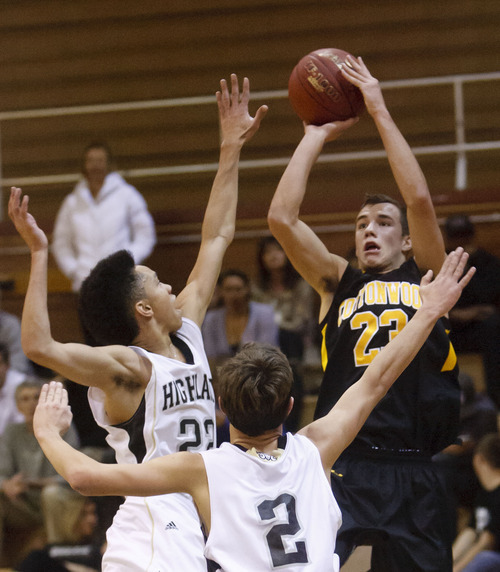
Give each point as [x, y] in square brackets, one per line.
[24, 472]
[103, 214]
[237, 321]
[280, 285]
[478, 417]
[475, 320]
[10, 336]
[476, 548]
[72, 546]
[9, 380]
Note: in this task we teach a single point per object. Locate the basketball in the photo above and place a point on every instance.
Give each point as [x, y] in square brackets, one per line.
[319, 93]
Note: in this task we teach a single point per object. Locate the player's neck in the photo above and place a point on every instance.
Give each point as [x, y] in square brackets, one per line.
[265, 443]
[158, 343]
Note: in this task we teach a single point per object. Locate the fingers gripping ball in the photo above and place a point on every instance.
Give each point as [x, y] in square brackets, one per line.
[319, 93]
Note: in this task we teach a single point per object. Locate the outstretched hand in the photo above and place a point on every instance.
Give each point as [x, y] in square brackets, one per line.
[25, 222]
[443, 293]
[237, 125]
[330, 131]
[52, 414]
[358, 74]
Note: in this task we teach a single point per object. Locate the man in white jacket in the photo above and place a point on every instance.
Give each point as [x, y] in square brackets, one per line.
[103, 214]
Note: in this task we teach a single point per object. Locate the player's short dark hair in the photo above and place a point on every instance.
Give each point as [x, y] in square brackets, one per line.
[375, 199]
[489, 448]
[255, 388]
[107, 299]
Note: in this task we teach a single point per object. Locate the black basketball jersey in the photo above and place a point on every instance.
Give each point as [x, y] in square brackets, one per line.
[421, 410]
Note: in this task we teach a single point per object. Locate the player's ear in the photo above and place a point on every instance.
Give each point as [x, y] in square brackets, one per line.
[407, 245]
[143, 308]
[290, 406]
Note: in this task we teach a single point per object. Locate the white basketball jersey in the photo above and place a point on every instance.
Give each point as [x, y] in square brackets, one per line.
[177, 413]
[271, 513]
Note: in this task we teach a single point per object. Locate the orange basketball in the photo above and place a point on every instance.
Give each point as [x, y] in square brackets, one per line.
[319, 93]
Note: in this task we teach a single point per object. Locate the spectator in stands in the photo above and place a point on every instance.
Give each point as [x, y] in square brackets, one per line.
[10, 335]
[239, 319]
[477, 548]
[235, 322]
[9, 381]
[24, 469]
[475, 320]
[103, 214]
[72, 545]
[478, 417]
[280, 285]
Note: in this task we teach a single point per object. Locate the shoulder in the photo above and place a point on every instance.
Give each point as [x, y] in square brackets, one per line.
[115, 180]
[72, 198]
[190, 332]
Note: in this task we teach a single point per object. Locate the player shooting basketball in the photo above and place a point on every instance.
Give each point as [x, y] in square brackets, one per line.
[362, 309]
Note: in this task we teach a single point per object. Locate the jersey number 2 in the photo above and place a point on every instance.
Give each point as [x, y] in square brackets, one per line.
[275, 541]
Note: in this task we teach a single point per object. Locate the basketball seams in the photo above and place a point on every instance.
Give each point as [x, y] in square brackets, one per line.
[309, 85]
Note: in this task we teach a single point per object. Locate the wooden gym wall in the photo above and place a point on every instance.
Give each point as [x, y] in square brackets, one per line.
[58, 53]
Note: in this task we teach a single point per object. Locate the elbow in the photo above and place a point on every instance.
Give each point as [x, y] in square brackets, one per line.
[419, 200]
[81, 482]
[34, 351]
[31, 351]
[279, 221]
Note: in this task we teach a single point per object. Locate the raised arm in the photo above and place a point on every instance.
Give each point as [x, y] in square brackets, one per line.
[306, 251]
[80, 363]
[178, 472]
[333, 433]
[237, 127]
[427, 240]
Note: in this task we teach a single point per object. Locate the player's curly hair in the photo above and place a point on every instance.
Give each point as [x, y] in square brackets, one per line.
[255, 388]
[107, 299]
[375, 199]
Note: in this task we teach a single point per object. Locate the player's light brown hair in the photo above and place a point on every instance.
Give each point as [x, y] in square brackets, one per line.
[255, 388]
[375, 199]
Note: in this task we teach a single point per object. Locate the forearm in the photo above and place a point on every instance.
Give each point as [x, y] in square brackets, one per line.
[285, 205]
[35, 324]
[393, 359]
[73, 466]
[220, 214]
[404, 165]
